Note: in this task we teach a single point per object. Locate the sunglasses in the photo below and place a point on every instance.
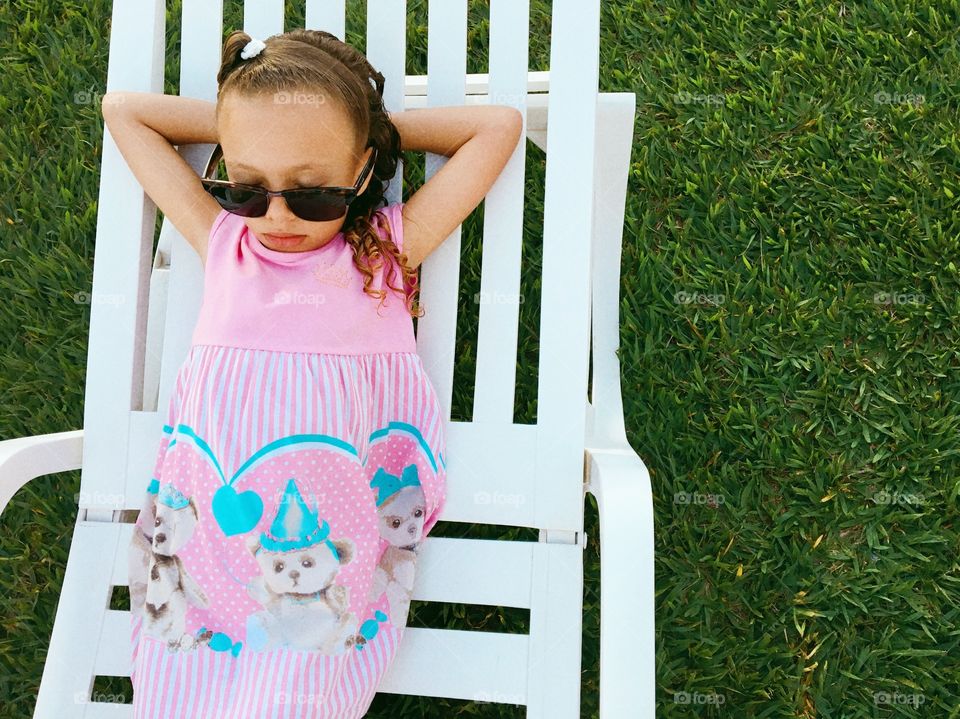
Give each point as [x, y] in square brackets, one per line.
[314, 204]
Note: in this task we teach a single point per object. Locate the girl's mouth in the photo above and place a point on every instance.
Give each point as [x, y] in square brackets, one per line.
[285, 240]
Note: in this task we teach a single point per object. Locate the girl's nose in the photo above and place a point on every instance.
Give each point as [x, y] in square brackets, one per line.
[279, 213]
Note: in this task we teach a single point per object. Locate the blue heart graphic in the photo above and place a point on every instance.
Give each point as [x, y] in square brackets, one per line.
[239, 512]
[236, 513]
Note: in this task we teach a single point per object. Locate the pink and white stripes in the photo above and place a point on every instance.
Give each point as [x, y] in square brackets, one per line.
[233, 402]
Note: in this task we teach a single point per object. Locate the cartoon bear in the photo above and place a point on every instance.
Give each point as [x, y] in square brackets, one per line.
[401, 508]
[303, 607]
[140, 550]
[170, 588]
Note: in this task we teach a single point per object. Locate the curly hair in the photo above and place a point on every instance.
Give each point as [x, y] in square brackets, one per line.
[304, 60]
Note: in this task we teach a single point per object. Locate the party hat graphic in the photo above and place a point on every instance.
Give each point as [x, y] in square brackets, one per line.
[296, 526]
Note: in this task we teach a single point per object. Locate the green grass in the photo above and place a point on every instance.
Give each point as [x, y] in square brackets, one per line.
[794, 179]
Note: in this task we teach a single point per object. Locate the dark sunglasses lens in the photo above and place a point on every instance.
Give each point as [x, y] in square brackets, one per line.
[317, 206]
[239, 201]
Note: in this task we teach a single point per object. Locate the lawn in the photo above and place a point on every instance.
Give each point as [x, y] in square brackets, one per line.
[789, 341]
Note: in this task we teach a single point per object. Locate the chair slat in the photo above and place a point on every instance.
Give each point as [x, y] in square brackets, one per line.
[556, 628]
[263, 18]
[144, 433]
[200, 48]
[458, 571]
[491, 470]
[106, 710]
[387, 53]
[113, 651]
[329, 15]
[538, 81]
[499, 297]
[121, 267]
[78, 627]
[440, 272]
[475, 571]
[565, 293]
[153, 351]
[201, 37]
[473, 666]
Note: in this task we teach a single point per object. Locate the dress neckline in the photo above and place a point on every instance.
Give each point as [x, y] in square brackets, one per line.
[289, 257]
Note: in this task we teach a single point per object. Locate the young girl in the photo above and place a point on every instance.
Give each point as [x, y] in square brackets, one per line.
[301, 464]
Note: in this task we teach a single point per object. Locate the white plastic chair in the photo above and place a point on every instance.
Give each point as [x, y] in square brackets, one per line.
[142, 316]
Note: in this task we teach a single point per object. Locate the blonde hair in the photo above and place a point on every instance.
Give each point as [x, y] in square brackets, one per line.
[318, 61]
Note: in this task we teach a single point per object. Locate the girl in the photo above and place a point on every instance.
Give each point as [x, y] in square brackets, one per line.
[301, 464]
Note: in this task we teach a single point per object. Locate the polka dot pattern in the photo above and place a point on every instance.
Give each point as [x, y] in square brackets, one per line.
[253, 420]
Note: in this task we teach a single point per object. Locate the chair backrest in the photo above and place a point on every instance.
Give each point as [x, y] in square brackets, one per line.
[144, 308]
[541, 462]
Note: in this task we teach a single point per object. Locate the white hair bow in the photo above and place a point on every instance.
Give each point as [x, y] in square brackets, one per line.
[252, 48]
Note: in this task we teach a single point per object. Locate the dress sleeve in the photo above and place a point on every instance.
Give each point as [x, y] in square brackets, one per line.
[215, 227]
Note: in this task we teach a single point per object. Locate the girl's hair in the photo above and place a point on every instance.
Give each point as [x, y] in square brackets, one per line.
[315, 61]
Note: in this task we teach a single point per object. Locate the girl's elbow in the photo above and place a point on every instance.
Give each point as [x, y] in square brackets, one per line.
[111, 102]
[513, 120]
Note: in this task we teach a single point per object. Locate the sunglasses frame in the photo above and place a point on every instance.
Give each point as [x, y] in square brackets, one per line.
[348, 193]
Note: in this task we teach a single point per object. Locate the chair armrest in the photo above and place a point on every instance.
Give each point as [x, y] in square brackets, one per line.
[26, 458]
[620, 482]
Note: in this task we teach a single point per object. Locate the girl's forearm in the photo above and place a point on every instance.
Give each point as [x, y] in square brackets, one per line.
[180, 120]
[442, 130]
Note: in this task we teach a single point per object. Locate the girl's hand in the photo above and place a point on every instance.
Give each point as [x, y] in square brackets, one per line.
[479, 140]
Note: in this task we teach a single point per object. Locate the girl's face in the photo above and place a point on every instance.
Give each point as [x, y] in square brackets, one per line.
[296, 140]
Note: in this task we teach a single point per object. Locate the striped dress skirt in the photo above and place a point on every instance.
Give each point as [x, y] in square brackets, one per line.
[272, 562]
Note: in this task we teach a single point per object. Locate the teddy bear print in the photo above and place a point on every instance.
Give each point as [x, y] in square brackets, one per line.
[303, 608]
[401, 509]
[164, 590]
[140, 550]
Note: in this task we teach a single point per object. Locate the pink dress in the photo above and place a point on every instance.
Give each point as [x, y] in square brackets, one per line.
[299, 471]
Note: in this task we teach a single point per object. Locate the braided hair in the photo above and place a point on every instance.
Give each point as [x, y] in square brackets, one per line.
[318, 61]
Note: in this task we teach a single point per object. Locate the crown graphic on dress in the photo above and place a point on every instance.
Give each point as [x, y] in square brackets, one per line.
[331, 274]
[168, 494]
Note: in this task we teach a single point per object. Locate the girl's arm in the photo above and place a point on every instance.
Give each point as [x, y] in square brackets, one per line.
[146, 126]
[479, 141]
